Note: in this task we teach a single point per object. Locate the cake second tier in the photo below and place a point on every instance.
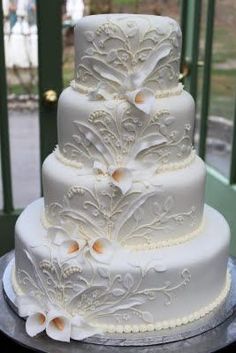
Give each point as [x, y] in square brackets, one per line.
[116, 132]
[156, 210]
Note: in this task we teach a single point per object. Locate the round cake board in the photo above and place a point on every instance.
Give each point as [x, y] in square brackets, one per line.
[181, 336]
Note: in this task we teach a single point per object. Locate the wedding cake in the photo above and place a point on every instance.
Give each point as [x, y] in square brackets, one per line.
[122, 242]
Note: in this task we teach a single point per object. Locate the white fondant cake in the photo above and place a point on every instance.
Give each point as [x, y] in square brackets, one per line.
[121, 241]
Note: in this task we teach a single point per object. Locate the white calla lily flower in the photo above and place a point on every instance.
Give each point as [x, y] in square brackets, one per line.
[58, 326]
[101, 249]
[80, 329]
[142, 98]
[68, 246]
[121, 177]
[30, 307]
[71, 247]
[36, 323]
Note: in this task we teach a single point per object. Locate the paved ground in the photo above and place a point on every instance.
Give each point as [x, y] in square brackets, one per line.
[24, 136]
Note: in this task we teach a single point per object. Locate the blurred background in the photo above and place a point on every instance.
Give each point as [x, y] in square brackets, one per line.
[39, 57]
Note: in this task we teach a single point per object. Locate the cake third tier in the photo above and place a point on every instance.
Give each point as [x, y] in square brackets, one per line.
[141, 210]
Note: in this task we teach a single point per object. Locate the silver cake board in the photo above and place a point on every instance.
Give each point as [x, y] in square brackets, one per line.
[205, 334]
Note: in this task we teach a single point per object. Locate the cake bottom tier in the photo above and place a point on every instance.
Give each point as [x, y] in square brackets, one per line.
[123, 291]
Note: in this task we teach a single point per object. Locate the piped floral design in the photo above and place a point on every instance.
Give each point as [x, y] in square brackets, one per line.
[138, 59]
[104, 212]
[120, 135]
[68, 303]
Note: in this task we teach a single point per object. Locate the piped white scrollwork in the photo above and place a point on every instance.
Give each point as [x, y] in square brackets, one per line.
[125, 55]
[121, 134]
[128, 218]
[80, 292]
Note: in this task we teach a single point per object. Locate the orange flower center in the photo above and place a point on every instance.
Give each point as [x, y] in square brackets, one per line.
[97, 246]
[73, 248]
[139, 98]
[41, 319]
[59, 323]
[117, 175]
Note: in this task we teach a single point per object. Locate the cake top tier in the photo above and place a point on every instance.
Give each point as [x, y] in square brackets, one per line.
[119, 53]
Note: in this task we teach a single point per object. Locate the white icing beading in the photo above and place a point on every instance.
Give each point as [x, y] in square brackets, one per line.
[166, 243]
[66, 161]
[160, 169]
[177, 165]
[175, 91]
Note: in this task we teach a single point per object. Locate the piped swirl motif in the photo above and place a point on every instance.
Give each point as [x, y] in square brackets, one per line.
[72, 291]
[131, 218]
[126, 54]
[120, 135]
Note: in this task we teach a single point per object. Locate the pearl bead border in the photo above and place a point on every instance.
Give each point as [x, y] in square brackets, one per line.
[176, 91]
[171, 324]
[177, 165]
[160, 169]
[66, 161]
[167, 243]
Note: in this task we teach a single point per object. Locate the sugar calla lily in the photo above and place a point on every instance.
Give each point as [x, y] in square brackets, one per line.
[68, 246]
[101, 249]
[58, 326]
[71, 247]
[36, 323]
[142, 98]
[30, 307]
[121, 177]
[80, 329]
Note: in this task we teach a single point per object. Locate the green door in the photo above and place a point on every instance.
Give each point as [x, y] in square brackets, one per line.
[220, 191]
[50, 86]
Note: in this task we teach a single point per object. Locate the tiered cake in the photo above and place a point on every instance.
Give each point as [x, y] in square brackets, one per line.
[122, 241]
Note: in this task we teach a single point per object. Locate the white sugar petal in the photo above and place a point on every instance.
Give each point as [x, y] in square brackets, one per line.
[58, 326]
[35, 324]
[27, 305]
[81, 330]
[101, 250]
[57, 234]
